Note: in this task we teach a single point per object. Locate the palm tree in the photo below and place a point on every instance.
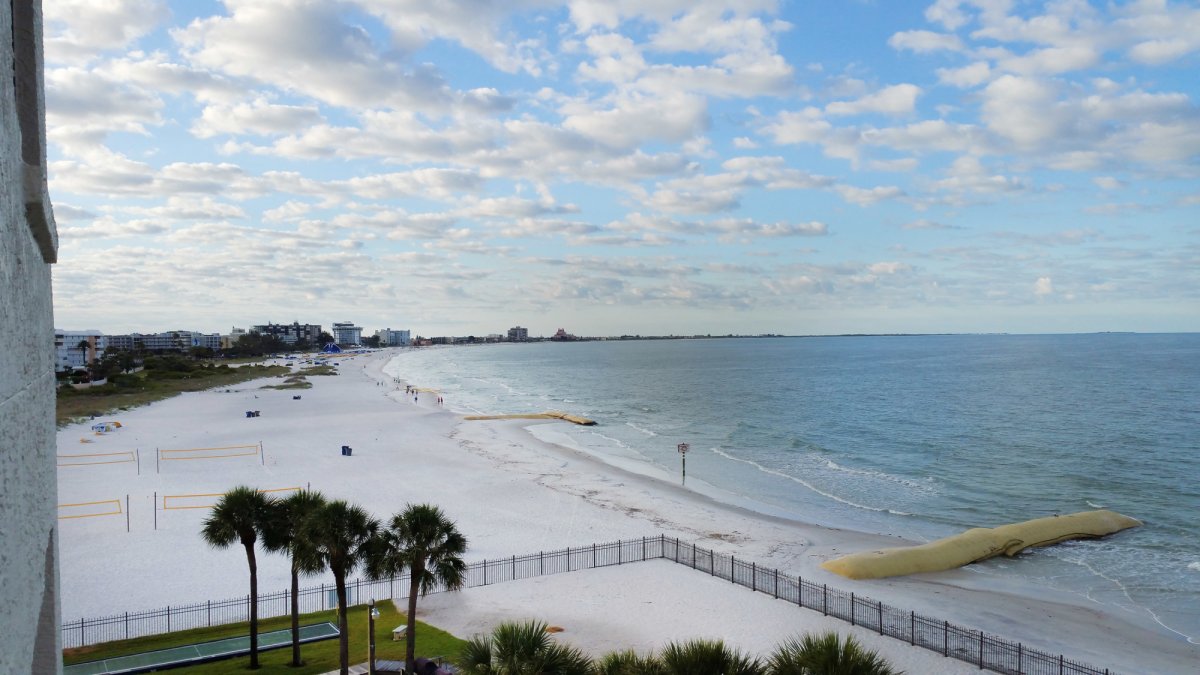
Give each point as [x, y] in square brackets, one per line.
[826, 654]
[284, 532]
[707, 656]
[522, 649]
[340, 536]
[422, 539]
[629, 662]
[238, 517]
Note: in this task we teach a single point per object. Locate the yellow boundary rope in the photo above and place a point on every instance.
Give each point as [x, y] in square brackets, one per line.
[92, 515]
[98, 454]
[163, 453]
[212, 494]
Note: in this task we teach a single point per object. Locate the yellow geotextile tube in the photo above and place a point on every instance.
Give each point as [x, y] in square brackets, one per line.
[978, 544]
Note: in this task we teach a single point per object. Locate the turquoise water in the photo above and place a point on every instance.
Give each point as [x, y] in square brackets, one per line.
[916, 436]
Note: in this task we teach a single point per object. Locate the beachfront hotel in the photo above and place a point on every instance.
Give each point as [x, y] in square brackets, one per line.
[346, 333]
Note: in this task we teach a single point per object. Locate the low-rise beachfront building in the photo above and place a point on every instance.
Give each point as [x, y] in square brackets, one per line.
[231, 339]
[31, 641]
[345, 333]
[518, 334]
[393, 338]
[169, 341]
[74, 349]
[291, 333]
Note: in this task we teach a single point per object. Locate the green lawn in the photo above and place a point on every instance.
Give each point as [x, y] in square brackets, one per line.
[319, 657]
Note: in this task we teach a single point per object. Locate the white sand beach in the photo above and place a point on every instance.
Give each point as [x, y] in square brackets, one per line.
[510, 494]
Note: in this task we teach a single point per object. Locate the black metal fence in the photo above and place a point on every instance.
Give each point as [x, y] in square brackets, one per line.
[988, 652]
[972, 646]
[83, 632]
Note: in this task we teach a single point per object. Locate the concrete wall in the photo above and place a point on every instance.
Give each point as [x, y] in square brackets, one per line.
[30, 638]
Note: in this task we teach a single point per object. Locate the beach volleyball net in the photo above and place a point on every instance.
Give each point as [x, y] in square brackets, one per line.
[104, 507]
[207, 500]
[97, 458]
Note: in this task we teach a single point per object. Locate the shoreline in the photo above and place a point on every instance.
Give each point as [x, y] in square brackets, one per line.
[509, 492]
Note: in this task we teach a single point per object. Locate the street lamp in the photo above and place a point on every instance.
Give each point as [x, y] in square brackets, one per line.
[683, 448]
[371, 616]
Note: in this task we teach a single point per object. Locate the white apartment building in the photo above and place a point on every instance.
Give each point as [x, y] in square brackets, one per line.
[75, 349]
[393, 338]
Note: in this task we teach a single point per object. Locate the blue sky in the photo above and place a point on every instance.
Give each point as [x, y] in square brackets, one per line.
[649, 166]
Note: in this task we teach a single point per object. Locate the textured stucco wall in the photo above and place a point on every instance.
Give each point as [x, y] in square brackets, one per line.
[30, 640]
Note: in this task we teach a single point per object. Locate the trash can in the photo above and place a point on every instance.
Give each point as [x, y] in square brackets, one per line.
[249, 413]
[346, 451]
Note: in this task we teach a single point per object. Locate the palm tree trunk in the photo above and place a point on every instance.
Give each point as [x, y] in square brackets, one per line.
[343, 625]
[295, 615]
[410, 632]
[253, 606]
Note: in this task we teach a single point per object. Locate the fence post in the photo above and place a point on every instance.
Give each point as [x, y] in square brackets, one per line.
[946, 638]
[1060, 664]
[541, 563]
[825, 599]
[879, 604]
[852, 609]
[732, 569]
[168, 618]
[981, 650]
[208, 609]
[693, 555]
[1019, 660]
[485, 567]
[620, 545]
[568, 558]
[514, 566]
[912, 630]
[593, 556]
[777, 584]
[82, 641]
[799, 590]
[322, 596]
[126, 625]
[754, 576]
[643, 548]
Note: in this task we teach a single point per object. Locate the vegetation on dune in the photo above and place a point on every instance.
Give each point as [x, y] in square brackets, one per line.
[161, 378]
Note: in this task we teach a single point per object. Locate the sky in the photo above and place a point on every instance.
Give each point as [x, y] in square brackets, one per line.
[626, 166]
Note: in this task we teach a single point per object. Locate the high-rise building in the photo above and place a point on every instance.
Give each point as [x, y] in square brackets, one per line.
[346, 333]
[518, 334]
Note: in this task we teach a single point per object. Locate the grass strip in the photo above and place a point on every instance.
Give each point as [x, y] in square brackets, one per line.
[319, 657]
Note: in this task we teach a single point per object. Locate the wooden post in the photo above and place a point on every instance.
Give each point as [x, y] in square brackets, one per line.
[156, 509]
[127, 524]
[139, 460]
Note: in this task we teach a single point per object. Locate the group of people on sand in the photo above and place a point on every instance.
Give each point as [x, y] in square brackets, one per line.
[409, 389]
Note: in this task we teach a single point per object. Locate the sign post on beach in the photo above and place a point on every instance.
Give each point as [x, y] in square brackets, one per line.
[683, 448]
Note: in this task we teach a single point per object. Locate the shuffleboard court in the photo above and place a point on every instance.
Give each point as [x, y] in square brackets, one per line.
[197, 653]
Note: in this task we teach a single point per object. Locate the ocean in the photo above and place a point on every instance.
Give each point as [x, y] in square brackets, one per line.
[917, 436]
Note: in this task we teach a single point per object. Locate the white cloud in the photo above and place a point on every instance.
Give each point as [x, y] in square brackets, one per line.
[1043, 287]
[77, 31]
[923, 41]
[258, 117]
[898, 99]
